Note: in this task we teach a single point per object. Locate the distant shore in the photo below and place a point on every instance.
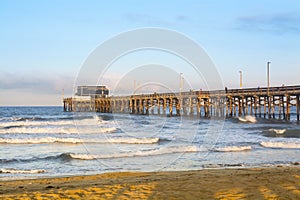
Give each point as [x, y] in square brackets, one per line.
[249, 183]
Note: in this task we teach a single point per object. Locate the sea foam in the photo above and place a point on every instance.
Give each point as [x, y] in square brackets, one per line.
[277, 131]
[247, 118]
[233, 149]
[39, 140]
[78, 140]
[133, 140]
[36, 123]
[292, 145]
[57, 130]
[167, 150]
[30, 130]
[17, 171]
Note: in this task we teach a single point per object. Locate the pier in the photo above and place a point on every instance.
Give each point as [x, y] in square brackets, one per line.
[267, 102]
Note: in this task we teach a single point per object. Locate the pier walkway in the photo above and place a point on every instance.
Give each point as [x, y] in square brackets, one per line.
[273, 102]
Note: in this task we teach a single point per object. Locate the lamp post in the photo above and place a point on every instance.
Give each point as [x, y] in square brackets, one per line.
[180, 90]
[180, 83]
[134, 87]
[268, 76]
[241, 79]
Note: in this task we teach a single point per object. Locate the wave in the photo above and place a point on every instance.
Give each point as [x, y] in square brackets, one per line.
[233, 149]
[57, 130]
[133, 140]
[35, 123]
[15, 160]
[154, 152]
[52, 122]
[94, 130]
[62, 157]
[247, 118]
[45, 118]
[18, 171]
[39, 140]
[97, 118]
[69, 156]
[28, 130]
[288, 145]
[8, 127]
[222, 165]
[108, 129]
[277, 131]
[78, 140]
[18, 119]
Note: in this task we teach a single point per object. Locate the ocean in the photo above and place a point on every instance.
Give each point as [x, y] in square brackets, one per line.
[47, 142]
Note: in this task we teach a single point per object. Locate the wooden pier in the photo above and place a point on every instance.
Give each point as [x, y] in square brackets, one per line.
[271, 103]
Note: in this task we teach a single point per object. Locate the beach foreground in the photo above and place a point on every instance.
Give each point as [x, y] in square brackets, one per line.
[254, 183]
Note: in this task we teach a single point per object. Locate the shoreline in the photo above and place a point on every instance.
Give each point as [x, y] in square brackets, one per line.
[251, 183]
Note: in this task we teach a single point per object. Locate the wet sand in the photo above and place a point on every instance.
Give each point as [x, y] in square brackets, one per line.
[254, 183]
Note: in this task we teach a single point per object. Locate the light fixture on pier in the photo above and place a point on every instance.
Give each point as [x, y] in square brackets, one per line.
[180, 83]
[241, 79]
[268, 74]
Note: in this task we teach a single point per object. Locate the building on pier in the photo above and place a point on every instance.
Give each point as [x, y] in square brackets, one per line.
[96, 91]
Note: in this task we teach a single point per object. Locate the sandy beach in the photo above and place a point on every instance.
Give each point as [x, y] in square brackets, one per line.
[254, 183]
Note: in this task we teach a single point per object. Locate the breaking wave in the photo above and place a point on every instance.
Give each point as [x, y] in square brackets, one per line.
[233, 149]
[18, 171]
[28, 130]
[133, 140]
[277, 131]
[69, 156]
[35, 123]
[56, 130]
[209, 166]
[61, 157]
[247, 118]
[78, 140]
[39, 140]
[168, 150]
[291, 145]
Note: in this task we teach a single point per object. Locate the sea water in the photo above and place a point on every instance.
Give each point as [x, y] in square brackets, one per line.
[47, 142]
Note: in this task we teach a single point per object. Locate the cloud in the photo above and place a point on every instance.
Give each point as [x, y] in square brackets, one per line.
[287, 23]
[182, 18]
[42, 83]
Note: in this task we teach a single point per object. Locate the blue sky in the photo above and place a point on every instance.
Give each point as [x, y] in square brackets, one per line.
[44, 43]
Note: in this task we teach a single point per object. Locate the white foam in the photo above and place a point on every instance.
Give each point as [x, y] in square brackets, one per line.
[83, 129]
[247, 118]
[78, 140]
[292, 145]
[39, 140]
[107, 129]
[167, 150]
[278, 131]
[233, 148]
[16, 171]
[57, 130]
[36, 123]
[133, 140]
[96, 120]
[29, 130]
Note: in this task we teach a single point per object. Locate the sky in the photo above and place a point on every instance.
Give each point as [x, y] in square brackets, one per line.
[43, 44]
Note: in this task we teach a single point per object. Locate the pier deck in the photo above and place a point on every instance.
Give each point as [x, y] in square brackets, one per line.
[273, 102]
